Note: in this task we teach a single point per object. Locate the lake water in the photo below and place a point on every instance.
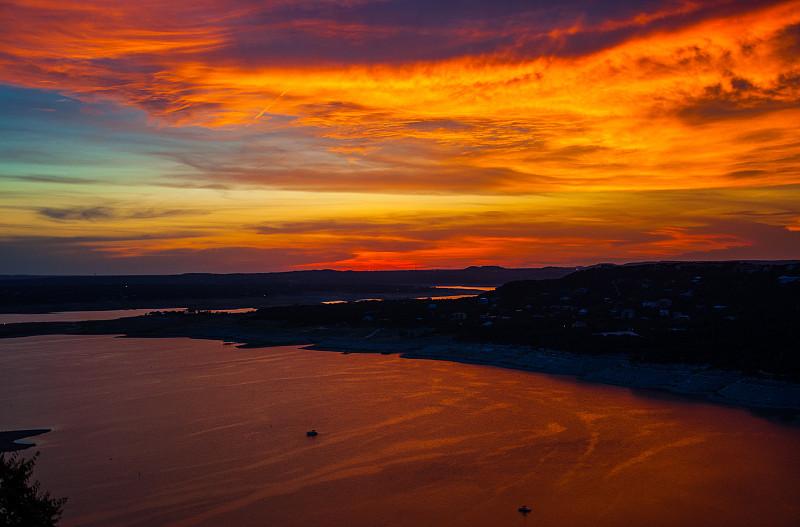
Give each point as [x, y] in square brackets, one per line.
[76, 316]
[180, 432]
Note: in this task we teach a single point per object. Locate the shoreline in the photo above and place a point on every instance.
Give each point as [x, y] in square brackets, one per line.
[698, 382]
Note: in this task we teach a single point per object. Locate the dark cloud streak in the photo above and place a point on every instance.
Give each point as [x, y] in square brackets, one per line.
[102, 213]
[395, 31]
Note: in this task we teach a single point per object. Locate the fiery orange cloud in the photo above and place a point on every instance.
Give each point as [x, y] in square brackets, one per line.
[615, 100]
[381, 134]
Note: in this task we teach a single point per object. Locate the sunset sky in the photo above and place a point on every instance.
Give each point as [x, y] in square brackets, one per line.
[240, 136]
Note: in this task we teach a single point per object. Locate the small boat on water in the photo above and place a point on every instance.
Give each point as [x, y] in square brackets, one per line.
[312, 433]
[524, 509]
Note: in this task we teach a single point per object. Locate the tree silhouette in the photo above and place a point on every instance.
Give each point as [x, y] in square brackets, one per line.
[22, 502]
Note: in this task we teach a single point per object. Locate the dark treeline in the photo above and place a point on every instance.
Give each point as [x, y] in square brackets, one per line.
[731, 315]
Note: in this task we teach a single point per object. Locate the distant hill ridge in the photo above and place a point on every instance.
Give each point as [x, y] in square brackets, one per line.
[54, 293]
[729, 279]
[473, 275]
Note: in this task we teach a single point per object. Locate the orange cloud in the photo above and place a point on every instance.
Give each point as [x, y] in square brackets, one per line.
[614, 100]
[656, 131]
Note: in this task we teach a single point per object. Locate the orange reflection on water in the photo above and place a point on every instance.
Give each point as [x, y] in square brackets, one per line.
[182, 432]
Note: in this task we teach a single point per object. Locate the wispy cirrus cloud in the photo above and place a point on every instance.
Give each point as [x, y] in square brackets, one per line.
[104, 213]
[84, 256]
[53, 179]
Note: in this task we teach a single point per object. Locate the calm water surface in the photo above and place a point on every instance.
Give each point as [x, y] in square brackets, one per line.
[76, 316]
[180, 432]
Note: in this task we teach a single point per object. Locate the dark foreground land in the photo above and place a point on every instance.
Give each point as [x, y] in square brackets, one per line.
[727, 330]
[8, 439]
